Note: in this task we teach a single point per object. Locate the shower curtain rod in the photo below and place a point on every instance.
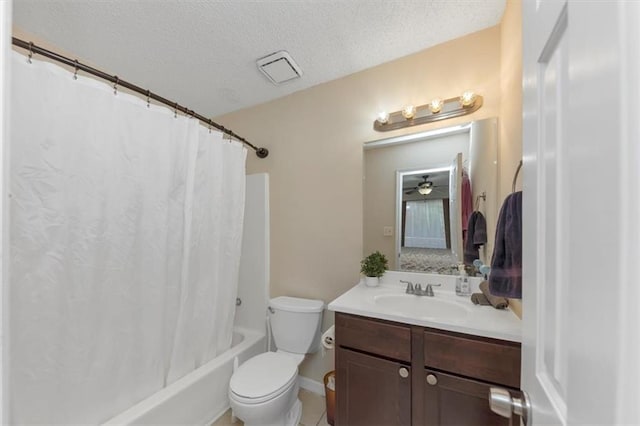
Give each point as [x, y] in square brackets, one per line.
[78, 66]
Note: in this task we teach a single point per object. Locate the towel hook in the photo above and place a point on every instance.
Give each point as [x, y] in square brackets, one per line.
[148, 98]
[515, 177]
[75, 69]
[484, 198]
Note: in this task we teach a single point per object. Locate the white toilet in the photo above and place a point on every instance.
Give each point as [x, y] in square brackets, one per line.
[264, 390]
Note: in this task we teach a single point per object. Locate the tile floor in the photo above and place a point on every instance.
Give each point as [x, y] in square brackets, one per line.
[314, 411]
[436, 261]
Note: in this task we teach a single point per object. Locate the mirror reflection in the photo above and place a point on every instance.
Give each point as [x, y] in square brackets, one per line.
[412, 195]
[425, 224]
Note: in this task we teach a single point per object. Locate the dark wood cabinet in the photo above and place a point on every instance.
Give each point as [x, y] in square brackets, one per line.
[397, 374]
[373, 390]
[453, 400]
[373, 380]
[491, 360]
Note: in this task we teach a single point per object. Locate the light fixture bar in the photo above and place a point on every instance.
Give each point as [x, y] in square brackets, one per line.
[418, 137]
[451, 108]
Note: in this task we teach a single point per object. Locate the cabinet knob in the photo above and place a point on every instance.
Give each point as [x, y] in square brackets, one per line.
[403, 372]
[432, 379]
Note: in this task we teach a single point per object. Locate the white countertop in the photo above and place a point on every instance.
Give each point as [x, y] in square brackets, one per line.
[476, 320]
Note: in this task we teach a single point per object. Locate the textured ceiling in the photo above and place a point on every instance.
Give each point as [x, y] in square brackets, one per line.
[202, 53]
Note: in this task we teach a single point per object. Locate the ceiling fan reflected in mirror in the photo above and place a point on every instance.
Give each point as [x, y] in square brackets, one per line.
[425, 187]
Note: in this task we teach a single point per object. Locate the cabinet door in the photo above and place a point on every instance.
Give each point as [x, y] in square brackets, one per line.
[371, 391]
[454, 400]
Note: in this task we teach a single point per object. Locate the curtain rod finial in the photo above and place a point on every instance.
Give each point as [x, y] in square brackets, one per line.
[262, 152]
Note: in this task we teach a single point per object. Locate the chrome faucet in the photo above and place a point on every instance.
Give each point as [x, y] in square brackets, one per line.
[417, 289]
[428, 290]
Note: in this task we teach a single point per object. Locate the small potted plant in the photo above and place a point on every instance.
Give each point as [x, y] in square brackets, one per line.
[373, 267]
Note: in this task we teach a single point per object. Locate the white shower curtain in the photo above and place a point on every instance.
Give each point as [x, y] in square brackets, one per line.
[126, 230]
[425, 224]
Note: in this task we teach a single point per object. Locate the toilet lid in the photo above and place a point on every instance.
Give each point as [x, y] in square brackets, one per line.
[263, 375]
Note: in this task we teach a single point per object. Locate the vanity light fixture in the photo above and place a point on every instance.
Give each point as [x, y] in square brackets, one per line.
[467, 99]
[383, 117]
[437, 109]
[435, 106]
[409, 112]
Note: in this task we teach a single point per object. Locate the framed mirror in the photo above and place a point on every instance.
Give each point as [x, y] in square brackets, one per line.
[412, 194]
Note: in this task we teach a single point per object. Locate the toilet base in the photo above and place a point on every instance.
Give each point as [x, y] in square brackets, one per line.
[292, 418]
[295, 414]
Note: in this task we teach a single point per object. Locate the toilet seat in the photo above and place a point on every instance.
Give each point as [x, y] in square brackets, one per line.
[263, 378]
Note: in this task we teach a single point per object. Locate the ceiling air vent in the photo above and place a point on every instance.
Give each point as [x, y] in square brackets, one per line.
[279, 67]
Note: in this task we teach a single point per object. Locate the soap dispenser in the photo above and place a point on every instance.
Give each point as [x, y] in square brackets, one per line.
[463, 286]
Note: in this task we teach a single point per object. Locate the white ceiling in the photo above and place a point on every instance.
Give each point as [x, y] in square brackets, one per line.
[202, 53]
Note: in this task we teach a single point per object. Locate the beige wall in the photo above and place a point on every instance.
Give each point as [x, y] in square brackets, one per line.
[316, 164]
[510, 152]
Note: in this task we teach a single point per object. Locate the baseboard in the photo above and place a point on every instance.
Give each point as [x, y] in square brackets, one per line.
[311, 385]
[215, 418]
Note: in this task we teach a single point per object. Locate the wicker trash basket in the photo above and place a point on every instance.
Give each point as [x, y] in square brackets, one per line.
[330, 395]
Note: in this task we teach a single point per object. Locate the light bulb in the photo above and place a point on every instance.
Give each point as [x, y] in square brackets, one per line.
[425, 190]
[383, 117]
[435, 106]
[409, 112]
[467, 98]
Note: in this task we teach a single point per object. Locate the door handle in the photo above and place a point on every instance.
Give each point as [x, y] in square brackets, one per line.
[403, 372]
[503, 404]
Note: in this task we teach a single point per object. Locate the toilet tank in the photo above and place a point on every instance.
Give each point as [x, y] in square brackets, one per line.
[295, 323]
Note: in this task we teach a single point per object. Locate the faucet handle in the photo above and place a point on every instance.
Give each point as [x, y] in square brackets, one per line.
[429, 290]
[409, 284]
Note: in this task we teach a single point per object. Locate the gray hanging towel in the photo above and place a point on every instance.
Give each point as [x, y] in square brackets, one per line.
[475, 238]
[505, 278]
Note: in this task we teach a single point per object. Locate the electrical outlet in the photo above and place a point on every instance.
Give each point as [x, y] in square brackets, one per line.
[387, 231]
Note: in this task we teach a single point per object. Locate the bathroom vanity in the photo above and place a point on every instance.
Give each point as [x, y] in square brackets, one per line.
[408, 360]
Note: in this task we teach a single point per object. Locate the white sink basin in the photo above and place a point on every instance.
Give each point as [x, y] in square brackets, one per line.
[422, 307]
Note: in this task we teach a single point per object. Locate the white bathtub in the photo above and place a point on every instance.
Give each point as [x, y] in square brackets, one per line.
[200, 397]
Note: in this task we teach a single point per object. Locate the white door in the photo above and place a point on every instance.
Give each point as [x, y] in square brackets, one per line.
[581, 214]
[455, 204]
[5, 50]
[545, 209]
